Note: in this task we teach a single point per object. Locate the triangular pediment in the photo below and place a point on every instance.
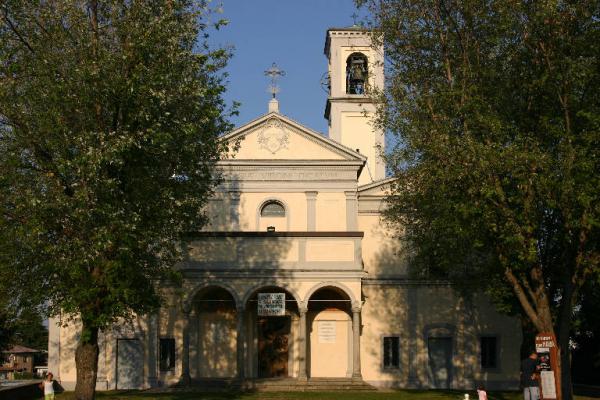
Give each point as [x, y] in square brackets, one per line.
[276, 137]
[381, 188]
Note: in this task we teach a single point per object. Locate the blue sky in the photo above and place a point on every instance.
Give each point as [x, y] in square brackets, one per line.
[290, 33]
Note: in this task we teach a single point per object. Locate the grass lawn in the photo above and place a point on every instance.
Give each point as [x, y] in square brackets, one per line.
[391, 395]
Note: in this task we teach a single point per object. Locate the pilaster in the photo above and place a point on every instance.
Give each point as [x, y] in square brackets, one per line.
[351, 211]
[311, 211]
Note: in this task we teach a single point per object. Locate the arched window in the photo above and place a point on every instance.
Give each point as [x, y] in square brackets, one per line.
[357, 73]
[272, 209]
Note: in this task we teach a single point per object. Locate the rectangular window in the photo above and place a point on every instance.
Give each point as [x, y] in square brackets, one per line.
[489, 348]
[391, 352]
[167, 354]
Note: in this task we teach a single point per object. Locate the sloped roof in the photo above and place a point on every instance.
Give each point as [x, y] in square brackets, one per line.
[375, 188]
[16, 349]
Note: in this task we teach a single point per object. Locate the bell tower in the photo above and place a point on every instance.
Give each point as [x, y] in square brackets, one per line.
[355, 68]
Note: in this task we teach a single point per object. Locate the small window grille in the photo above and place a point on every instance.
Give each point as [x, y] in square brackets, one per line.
[272, 209]
[489, 348]
[391, 352]
[167, 354]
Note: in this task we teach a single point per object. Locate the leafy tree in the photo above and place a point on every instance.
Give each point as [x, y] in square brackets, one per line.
[6, 330]
[495, 106]
[29, 330]
[110, 113]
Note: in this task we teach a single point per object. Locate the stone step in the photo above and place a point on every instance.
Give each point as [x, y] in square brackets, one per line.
[272, 385]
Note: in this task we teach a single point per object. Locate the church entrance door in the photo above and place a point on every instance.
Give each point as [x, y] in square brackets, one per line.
[273, 346]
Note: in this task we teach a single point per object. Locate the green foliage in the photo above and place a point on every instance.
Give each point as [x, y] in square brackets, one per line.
[110, 114]
[496, 108]
[29, 330]
[6, 330]
[24, 375]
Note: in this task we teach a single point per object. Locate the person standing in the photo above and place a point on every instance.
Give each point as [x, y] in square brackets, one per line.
[481, 393]
[529, 377]
[47, 385]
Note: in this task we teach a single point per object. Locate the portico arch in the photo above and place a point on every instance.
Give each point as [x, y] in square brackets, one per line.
[333, 320]
[272, 339]
[211, 332]
[189, 298]
[272, 285]
[332, 284]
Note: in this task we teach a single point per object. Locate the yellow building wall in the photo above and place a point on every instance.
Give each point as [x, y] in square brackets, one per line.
[382, 253]
[331, 211]
[216, 353]
[295, 210]
[330, 355]
[414, 312]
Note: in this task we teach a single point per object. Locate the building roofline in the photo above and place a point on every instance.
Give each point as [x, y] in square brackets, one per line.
[375, 184]
[342, 149]
[346, 29]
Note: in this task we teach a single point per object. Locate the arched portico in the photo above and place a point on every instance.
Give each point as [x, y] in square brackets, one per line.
[272, 338]
[212, 314]
[334, 331]
[189, 298]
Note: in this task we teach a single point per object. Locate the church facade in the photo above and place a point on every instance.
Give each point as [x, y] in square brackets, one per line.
[297, 277]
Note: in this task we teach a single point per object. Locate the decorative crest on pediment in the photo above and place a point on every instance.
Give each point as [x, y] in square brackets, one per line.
[274, 136]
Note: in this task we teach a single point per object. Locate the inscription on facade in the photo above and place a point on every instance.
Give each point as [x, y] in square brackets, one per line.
[326, 331]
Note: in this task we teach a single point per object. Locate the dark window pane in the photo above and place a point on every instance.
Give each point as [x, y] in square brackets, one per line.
[272, 209]
[488, 351]
[391, 352]
[167, 354]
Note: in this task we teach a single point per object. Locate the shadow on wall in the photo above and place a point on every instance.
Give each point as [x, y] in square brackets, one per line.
[424, 334]
[223, 272]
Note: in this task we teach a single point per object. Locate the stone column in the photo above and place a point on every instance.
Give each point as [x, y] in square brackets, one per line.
[303, 347]
[240, 342]
[185, 356]
[152, 347]
[234, 211]
[311, 211]
[351, 211]
[356, 342]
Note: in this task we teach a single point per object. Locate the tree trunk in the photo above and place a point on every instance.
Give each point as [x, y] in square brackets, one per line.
[86, 363]
[564, 361]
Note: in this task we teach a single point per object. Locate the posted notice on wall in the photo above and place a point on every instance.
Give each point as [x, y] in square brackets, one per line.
[326, 331]
[548, 384]
[271, 304]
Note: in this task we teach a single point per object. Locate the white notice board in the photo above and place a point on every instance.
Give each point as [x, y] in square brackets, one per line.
[548, 384]
[326, 331]
[271, 304]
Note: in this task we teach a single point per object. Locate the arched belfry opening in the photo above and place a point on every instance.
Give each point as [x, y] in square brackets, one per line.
[357, 73]
[330, 337]
[272, 334]
[213, 337]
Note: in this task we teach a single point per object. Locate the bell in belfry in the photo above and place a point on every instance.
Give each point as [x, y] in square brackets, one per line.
[357, 71]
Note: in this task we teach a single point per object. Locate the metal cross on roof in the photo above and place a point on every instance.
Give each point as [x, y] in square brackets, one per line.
[274, 73]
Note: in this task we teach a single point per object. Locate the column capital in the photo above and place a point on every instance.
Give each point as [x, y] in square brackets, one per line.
[302, 307]
[311, 194]
[240, 308]
[351, 194]
[356, 307]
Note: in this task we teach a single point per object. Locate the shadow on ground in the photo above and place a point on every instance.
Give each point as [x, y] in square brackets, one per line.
[391, 395]
[388, 395]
